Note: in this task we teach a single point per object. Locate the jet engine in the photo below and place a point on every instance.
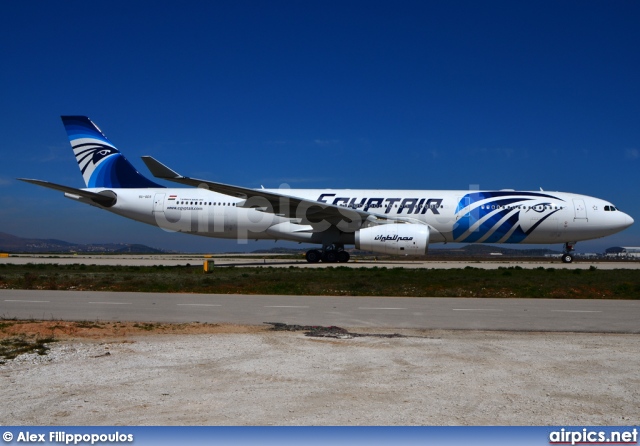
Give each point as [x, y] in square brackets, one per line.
[397, 239]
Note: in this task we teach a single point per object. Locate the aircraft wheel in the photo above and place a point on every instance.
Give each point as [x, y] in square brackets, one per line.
[343, 256]
[567, 258]
[313, 256]
[330, 257]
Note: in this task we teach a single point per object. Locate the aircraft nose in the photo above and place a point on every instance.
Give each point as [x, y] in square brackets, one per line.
[628, 221]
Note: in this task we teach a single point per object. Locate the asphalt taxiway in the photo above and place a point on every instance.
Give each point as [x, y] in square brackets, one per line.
[597, 316]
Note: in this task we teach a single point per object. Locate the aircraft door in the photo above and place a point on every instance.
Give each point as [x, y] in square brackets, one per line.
[580, 209]
[158, 203]
[463, 203]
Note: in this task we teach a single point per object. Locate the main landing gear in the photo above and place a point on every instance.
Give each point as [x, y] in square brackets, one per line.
[329, 254]
[567, 256]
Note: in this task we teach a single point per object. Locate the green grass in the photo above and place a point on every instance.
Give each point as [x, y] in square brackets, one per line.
[339, 280]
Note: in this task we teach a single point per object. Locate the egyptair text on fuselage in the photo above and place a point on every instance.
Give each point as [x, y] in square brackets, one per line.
[411, 205]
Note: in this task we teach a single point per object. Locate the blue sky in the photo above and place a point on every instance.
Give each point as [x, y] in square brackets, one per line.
[388, 95]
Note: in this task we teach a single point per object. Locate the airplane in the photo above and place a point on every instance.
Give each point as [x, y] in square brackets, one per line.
[397, 222]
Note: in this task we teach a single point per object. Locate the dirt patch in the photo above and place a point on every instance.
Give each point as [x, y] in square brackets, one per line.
[64, 330]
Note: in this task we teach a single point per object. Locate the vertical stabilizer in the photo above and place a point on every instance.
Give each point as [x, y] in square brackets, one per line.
[101, 164]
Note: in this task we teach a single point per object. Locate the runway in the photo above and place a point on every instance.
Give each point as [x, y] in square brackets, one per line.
[274, 260]
[544, 315]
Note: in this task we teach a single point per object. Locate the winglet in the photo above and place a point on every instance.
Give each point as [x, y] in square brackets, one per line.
[159, 170]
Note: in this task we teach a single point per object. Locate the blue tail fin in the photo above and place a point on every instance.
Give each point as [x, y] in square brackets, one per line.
[101, 164]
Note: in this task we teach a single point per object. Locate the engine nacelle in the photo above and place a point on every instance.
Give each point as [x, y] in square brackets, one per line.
[397, 239]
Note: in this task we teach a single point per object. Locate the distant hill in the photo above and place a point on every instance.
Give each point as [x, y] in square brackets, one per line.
[11, 243]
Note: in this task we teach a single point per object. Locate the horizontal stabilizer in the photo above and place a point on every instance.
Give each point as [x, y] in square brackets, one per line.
[106, 198]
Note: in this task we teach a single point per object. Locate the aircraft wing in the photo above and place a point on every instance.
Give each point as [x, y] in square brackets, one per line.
[106, 199]
[307, 211]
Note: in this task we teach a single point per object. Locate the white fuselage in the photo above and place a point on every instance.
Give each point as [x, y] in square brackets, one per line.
[504, 216]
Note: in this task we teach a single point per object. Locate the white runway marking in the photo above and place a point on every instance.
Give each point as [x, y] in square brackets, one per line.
[111, 303]
[576, 311]
[286, 306]
[380, 308]
[475, 309]
[31, 301]
[199, 305]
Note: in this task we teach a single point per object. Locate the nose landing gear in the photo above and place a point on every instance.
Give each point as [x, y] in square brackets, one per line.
[567, 256]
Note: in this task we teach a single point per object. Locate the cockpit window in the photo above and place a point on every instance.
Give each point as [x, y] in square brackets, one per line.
[610, 208]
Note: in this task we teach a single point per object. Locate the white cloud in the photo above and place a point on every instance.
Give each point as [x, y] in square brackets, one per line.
[633, 154]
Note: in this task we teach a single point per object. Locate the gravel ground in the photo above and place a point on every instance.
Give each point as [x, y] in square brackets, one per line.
[285, 378]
